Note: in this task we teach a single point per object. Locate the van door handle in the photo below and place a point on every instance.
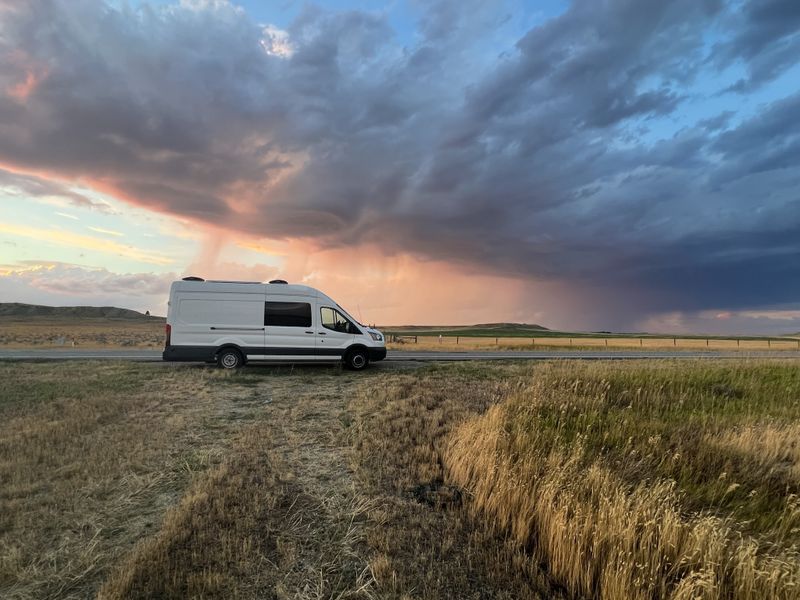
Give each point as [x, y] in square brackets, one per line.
[322, 333]
[311, 332]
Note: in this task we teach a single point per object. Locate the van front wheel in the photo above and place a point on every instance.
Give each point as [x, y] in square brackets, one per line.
[230, 358]
[356, 360]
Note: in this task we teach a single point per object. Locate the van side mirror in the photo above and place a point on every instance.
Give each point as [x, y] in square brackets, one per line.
[352, 329]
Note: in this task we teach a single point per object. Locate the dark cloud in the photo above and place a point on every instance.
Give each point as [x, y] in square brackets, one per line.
[768, 142]
[776, 320]
[534, 162]
[38, 187]
[766, 41]
[716, 122]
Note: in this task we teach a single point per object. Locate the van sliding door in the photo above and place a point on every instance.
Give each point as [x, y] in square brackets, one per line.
[289, 328]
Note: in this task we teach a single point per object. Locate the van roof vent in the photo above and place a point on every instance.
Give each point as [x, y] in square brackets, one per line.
[193, 279]
[284, 282]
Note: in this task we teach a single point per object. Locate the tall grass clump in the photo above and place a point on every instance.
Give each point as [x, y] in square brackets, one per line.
[644, 481]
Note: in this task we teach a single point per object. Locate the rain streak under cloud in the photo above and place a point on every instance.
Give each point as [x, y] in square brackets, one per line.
[620, 164]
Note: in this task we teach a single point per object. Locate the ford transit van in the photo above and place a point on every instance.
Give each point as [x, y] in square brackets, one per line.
[233, 322]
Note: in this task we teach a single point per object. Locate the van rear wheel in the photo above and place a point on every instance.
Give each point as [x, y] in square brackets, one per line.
[230, 358]
[356, 360]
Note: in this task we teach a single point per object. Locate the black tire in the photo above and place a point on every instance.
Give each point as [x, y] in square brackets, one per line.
[230, 358]
[356, 360]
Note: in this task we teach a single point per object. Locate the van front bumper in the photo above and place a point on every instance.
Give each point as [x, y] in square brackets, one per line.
[376, 354]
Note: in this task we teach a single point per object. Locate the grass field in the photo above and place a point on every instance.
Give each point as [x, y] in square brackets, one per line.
[90, 333]
[462, 343]
[642, 482]
[44, 332]
[521, 330]
[516, 480]
[516, 336]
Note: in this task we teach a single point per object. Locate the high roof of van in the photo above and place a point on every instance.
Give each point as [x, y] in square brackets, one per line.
[277, 289]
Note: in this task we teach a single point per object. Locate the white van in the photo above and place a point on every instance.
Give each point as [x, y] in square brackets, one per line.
[232, 322]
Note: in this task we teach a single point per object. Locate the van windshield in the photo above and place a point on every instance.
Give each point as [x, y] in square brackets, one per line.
[349, 316]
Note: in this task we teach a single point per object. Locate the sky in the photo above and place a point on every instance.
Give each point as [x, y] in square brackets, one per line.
[625, 165]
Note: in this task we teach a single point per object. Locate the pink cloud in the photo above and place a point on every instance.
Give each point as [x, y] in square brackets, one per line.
[75, 280]
[22, 90]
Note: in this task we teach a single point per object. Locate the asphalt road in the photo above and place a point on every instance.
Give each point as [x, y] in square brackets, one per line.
[429, 356]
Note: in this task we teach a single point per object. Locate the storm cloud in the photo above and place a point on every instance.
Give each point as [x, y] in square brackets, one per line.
[555, 158]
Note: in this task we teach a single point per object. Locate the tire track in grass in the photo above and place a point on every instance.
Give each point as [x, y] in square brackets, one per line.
[279, 518]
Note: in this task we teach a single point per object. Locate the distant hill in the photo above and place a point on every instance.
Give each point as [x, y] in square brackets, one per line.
[28, 311]
[506, 326]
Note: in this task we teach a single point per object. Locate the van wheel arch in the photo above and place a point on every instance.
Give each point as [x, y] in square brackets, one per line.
[219, 356]
[356, 357]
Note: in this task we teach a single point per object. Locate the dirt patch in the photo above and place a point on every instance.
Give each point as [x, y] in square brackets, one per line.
[437, 495]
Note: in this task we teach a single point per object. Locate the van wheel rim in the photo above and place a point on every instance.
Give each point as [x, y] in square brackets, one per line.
[229, 361]
[358, 361]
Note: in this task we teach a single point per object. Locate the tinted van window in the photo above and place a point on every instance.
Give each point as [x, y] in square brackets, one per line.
[287, 314]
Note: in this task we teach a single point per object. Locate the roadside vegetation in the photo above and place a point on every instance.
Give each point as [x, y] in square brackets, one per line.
[642, 481]
[504, 480]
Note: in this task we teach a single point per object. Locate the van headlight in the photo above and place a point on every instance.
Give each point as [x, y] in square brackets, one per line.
[376, 336]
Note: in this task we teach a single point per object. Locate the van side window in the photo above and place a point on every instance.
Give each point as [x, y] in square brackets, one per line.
[287, 314]
[333, 319]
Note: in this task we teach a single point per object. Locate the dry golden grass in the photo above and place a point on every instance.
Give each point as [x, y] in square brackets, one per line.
[220, 541]
[423, 543]
[552, 466]
[451, 344]
[91, 455]
[774, 446]
[278, 519]
[85, 333]
[177, 482]
[645, 480]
